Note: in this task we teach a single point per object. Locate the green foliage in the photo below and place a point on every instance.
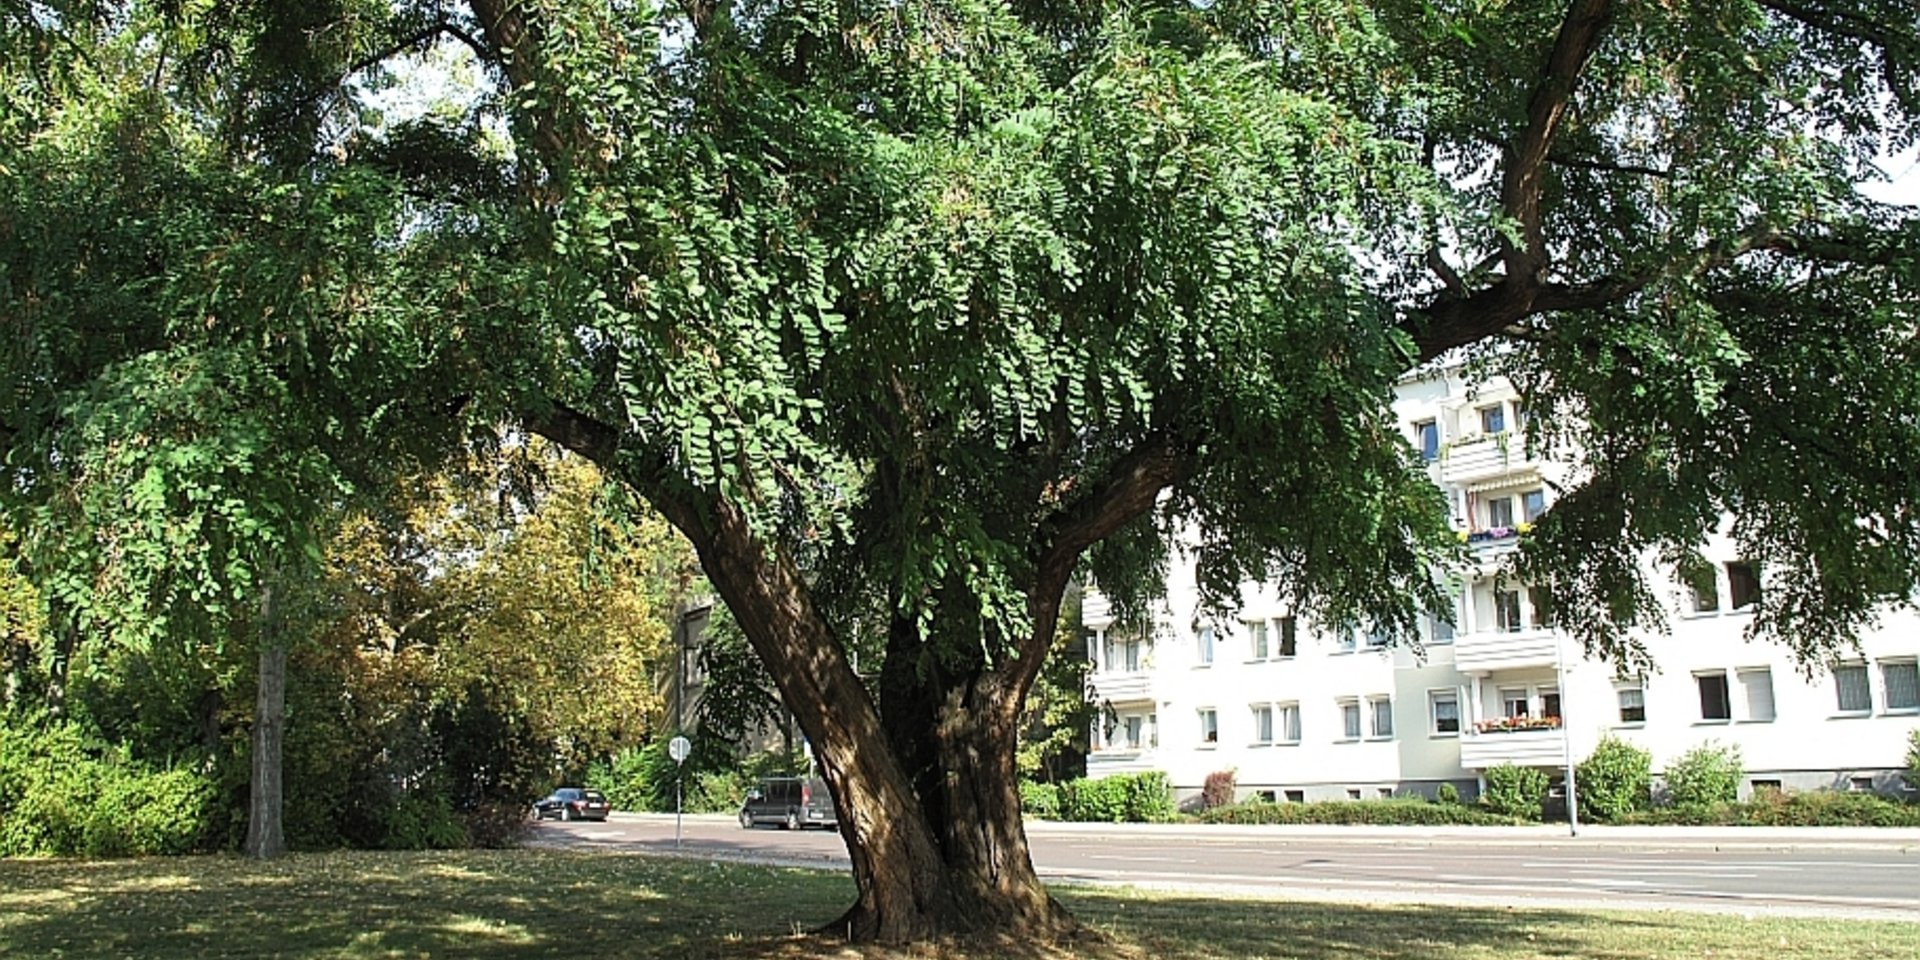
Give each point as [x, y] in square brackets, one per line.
[1124, 798]
[1447, 794]
[1614, 781]
[1773, 808]
[713, 780]
[1058, 714]
[1912, 773]
[1040, 800]
[1706, 775]
[61, 795]
[1515, 791]
[1408, 810]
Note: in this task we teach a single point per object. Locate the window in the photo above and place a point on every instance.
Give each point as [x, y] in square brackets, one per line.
[1346, 641]
[1376, 638]
[1541, 604]
[1209, 726]
[1289, 725]
[1506, 611]
[1123, 654]
[1350, 719]
[1706, 591]
[1756, 685]
[1296, 796]
[1153, 730]
[1206, 645]
[1385, 793]
[1714, 704]
[1743, 584]
[1493, 419]
[1444, 706]
[1902, 681]
[1766, 786]
[1513, 702]
[1500, 512]
[1550, 701]
[1850, 681]
[1381, 709]
[1265, 796]
[1353, 794]
[1426, 436]
[1288, 636]
[1135, 727]
[1257, 630]
[1533, 503]
[1439, 630]
[1860, 785]
[1262, 724]
[1633, 704]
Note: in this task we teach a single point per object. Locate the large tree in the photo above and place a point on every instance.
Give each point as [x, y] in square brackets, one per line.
[905, 314]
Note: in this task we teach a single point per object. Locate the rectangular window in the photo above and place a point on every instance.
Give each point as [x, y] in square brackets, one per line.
[1540, 604]
[1289, 722]
[1766, 786]
[1346, 640]
[1714, 703]
[1902, 681]
[1506, 611]
[1743, 584]
[1350, 719]
[1438, 629]
[1533, 503]
[1850, 681]
[1549, 701]
[1136, 730]
[1257, 630]
[1513, 702]
[1381, 709]
[1289, 637]
[1706, 591]
[1376, 638]
[1263, 724]
[1500, 512]
[1209, 726]
[1445, 709]
[1756, 686]
[1353, 794]
[1296, 796]
[1153, 730]
[1426, 435]
[1384, 793]
[1493, 419]
[1633, 704]
[1206, 645]
[1860, 785]
[1266, 796]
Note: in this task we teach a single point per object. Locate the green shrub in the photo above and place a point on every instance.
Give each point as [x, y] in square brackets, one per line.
[1040, 800]
[1824, 808]
[1515, 791]
[62, 795]
[1447, 794]
[1706, 775]
[1094, 801]
[1149, 797]
[1397, 811]
[1614, 781]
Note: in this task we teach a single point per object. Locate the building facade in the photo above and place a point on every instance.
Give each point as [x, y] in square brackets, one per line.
[1300, 713]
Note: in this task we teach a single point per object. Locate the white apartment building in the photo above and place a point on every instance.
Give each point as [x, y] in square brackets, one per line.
[1300, 713]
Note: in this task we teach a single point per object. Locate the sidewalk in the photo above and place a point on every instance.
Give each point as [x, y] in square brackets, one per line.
[1552, 833]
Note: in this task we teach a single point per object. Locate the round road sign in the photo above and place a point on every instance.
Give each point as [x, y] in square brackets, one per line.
[679, 748]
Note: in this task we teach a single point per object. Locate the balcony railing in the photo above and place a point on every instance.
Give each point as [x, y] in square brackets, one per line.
[1541, 747]
[1119, 687]
[1516, 724]
[1505, 650]
[1484, 457]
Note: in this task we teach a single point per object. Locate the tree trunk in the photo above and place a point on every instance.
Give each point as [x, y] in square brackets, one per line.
[265, 838]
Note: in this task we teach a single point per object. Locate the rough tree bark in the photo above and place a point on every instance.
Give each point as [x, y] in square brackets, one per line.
[265, 837]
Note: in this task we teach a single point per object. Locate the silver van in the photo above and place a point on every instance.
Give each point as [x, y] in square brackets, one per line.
[791, 802]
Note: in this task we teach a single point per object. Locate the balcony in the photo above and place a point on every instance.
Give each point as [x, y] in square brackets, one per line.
[1543, 746]
[1483, 458]
[1501, 650]
[1117, 760]
[1119, 687]
[1096, 611]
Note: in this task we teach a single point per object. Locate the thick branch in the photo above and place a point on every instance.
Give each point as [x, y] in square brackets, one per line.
[1524, 180]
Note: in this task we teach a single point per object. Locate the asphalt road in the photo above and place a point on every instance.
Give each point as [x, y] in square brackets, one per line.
[1807, 873]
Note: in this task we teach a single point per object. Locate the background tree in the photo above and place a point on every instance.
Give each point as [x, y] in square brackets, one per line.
[904, 315]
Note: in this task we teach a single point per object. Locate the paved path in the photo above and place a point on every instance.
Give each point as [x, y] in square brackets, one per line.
[1806, 872]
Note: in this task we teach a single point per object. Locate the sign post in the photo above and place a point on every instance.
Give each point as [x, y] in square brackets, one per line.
[679, 748]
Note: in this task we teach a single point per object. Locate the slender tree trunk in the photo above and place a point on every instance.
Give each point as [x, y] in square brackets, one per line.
[265, 838]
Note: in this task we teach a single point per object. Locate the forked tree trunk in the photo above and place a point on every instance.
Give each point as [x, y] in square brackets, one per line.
[265, 837]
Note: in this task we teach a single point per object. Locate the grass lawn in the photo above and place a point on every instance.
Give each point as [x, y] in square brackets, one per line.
[534, 903]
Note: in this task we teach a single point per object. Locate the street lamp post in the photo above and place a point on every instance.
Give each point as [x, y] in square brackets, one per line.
[1566, 731]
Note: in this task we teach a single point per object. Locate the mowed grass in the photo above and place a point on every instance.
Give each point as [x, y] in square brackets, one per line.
[540, 903]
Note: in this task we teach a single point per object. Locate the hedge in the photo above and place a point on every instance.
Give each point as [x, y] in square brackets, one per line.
[1824, 808]
[1408, 810]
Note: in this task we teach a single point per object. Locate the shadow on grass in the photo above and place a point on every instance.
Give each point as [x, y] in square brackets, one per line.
[533, 903]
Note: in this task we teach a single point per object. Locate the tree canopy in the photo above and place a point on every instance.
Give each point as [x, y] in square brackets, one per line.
[907, 313]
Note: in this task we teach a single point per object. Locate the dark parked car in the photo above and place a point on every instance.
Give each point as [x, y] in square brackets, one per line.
[792, 802]
[572, 803]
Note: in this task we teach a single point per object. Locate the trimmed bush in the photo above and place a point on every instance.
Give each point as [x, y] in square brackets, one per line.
[1912, 776]
[1706, 775]
[1219, 790]
[1408, 810]
[1447, 794]
[1040, 800]
[1515, 791]
[1824, 808]
[1615, 781]
[1149, 798]
[1128, 798]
